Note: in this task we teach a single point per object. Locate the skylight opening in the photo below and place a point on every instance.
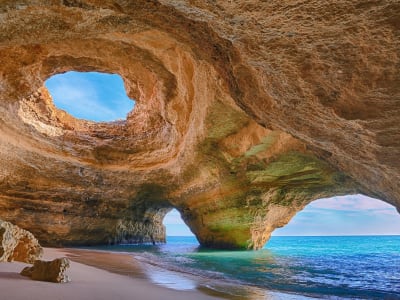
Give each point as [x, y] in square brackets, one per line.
[92, 96]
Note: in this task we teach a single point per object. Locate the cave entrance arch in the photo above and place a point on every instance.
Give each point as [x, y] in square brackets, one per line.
[175, 226]
[93, 96]
[344, 215]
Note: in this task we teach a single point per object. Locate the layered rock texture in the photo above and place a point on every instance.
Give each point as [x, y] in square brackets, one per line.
[246, 111]
[17, 244]
[51, 271]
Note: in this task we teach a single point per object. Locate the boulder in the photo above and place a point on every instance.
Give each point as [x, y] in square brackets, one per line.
[17, 244]
[51, 271]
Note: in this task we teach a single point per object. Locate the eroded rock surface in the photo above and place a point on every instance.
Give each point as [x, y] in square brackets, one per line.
[51, 271]
[245, 113]
[17, 244]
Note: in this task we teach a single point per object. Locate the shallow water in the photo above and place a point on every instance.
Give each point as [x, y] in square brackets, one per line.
[365, 267]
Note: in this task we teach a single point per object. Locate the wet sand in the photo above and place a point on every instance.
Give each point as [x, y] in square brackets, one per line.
[125, 264]
[118, 278]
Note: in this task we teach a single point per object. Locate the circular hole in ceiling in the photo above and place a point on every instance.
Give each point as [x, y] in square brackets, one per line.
[94, 96]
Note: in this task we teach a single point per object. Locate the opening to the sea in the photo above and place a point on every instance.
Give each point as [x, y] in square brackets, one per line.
[93, 96]
[344, 216]
[175, 226]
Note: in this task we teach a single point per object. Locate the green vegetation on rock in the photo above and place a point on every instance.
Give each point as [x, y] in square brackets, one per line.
[223, 121]
[293, 168]
[265, 144]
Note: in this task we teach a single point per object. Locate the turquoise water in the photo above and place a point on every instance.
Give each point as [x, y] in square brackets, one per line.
[365, 267]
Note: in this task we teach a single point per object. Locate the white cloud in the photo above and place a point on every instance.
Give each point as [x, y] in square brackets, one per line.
[351, 203]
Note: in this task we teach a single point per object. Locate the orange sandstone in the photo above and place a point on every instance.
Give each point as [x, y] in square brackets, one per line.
[245, 113]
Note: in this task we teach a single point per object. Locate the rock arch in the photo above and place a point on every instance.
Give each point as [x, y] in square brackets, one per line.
[240, 120]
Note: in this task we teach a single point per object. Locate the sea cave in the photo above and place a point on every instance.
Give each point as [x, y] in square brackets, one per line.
[241, 114]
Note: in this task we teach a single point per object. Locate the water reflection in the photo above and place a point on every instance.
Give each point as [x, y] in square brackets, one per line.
[170, 279]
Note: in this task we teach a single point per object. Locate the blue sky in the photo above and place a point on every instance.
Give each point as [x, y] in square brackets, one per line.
[102, 97]
[90, 95]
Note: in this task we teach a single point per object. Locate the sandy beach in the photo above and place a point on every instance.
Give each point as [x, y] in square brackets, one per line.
[119, 278]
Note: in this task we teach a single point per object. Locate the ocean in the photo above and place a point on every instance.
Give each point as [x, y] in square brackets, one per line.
[332, 267]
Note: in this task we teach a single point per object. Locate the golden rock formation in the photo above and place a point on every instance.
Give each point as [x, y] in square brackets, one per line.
[51, 271]
[17, 244]
[246, 111]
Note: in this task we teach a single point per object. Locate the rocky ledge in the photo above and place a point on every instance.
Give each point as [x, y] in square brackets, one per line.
[245, 113]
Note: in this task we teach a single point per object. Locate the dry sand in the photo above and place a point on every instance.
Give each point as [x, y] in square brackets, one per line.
[88, 282]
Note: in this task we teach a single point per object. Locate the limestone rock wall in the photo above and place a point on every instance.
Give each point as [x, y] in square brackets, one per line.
[245, 113]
